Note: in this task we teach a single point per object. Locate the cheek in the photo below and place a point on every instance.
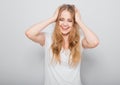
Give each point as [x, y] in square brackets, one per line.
[71, 28]
[71, 25]
[60, 23]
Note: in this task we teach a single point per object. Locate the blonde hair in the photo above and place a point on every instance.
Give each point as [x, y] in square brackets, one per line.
[74, 38]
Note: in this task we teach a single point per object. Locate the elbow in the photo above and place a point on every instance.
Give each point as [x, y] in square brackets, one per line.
[27, 33]
[95, 44]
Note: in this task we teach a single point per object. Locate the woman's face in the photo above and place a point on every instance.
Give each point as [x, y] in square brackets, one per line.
[65, 22]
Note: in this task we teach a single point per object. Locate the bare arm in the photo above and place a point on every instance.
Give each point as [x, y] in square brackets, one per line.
[35, 32]
[90, 40]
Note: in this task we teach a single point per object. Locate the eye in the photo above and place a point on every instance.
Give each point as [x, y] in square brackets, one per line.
[70, 20]
[61, 19]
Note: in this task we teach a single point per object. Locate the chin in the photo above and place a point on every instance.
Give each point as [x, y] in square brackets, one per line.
[65, 33]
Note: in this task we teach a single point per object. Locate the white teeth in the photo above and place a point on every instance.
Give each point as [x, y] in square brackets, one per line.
[65, 28]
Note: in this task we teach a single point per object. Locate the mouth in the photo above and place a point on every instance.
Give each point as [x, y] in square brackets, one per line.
[65, 28]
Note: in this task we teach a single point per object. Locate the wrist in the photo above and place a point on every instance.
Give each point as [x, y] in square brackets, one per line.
[79, 21]
[51, 20]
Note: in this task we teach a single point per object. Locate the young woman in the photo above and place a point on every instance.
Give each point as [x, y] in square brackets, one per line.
[64, 46]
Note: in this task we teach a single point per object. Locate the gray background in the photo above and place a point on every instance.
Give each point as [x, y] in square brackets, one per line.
[21, 60]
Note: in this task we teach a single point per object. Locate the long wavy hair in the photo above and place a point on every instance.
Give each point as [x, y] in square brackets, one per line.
[74, 38]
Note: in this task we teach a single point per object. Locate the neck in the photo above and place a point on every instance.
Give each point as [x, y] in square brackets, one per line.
[65, 37]
[65, 42]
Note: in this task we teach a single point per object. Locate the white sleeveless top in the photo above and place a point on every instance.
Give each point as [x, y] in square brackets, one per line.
[60, 74]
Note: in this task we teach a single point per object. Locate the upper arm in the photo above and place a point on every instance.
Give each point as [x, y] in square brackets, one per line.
[39, 38]
[85, 44]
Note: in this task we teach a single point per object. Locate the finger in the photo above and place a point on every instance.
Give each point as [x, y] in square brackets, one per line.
[76, 10]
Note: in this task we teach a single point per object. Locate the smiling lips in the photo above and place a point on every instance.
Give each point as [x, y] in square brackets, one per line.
[64, 28]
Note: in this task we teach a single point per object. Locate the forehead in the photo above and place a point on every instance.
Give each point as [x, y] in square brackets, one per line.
[66, 14]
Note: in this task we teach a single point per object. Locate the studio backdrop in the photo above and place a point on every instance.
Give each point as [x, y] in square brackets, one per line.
[22, 61]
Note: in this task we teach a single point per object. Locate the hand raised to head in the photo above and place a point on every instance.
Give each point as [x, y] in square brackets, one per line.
[55, 15]
[77, 15]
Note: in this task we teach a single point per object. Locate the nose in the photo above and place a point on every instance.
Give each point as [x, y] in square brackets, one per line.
[65, 23]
